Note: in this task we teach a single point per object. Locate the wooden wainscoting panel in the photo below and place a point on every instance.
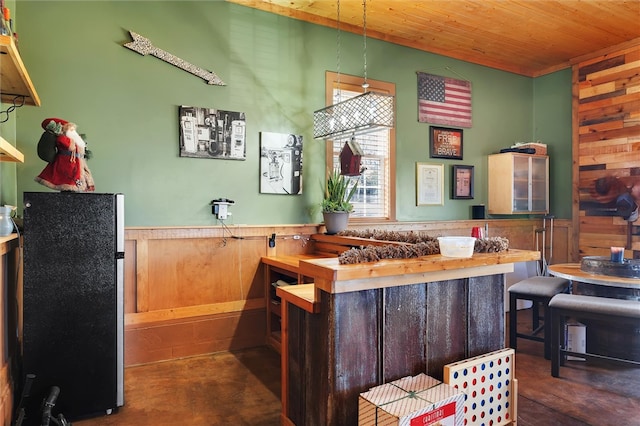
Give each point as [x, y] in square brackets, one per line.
[130, 259]
[142, 275]
[187, 272]
[251, 272]
[561, 250]
[194, 336]
[176, 315]
[191, 291]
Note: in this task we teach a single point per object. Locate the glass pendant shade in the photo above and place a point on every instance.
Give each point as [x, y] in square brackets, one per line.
[365, 113]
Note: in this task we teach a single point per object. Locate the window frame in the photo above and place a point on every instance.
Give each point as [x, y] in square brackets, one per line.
[354, 84]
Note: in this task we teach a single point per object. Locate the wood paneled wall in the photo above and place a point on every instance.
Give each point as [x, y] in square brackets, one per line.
[606, 150]
[191, 291]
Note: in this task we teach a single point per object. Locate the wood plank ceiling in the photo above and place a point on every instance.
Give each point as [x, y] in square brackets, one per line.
[528, 37]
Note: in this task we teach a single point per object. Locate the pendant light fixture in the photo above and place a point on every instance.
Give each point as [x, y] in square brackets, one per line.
[361, 114]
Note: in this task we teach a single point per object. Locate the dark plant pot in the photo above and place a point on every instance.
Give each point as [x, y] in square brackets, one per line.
[335, 221]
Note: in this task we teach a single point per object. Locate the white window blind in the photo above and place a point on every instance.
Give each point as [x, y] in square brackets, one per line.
[372, 199]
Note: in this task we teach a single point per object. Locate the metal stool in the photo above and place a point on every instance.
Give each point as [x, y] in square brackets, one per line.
[539, 290]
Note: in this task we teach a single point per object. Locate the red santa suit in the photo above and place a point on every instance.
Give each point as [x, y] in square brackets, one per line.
[68, 171]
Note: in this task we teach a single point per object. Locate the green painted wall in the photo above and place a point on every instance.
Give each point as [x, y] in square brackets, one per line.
[274, 68]
[552, 124]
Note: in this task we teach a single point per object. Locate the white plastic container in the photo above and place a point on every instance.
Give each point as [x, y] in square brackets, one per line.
[456, 246]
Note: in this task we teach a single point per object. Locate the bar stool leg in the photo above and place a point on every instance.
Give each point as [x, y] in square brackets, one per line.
[536, 315]
[547, 331]
[557, 333]
[556, 325]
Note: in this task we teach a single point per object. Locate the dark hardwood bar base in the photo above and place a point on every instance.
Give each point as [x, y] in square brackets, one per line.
[362, 339]
[376, 322]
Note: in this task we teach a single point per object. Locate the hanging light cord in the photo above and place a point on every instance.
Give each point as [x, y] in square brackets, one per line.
[365, 85]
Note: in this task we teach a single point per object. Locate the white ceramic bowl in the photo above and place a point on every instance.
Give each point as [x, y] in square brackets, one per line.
[456, 246]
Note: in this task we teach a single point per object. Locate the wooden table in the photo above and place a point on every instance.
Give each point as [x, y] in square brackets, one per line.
[572, 272]
[366, 324]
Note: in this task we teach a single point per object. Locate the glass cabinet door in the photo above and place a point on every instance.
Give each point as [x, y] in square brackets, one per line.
[539, 184]
[520, 183]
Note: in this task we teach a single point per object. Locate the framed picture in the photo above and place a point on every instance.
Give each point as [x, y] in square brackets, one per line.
[429, 184]
[280, 163]
[445, 143]
[212, 133]
[462, 182]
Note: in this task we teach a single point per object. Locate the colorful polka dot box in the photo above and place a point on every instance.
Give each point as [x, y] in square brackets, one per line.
[411, 401]
[489, 383]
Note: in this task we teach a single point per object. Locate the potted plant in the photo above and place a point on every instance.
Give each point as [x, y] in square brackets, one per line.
[336, 204]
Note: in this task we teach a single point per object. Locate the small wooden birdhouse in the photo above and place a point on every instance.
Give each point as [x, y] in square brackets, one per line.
[350, 158]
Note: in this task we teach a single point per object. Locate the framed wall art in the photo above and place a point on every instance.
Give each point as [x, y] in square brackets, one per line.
[445, 143]
[429, 184]
[462, 183]
[280, 163]
[212, 133]
[444, 100]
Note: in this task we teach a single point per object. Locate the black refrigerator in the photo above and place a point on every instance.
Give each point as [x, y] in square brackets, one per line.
[73, 301]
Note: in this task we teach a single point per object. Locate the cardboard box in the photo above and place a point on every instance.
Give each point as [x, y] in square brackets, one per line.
[575, 339]
[412, 401]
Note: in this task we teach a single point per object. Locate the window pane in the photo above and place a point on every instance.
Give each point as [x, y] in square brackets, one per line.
[372, 197]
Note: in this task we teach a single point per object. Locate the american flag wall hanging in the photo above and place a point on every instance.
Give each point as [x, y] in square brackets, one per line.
[444, 100]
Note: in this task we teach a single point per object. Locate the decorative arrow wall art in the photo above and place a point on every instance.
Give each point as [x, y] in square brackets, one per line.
[143, 46]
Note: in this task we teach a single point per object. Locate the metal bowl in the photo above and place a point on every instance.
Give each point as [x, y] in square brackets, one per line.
[601, 265]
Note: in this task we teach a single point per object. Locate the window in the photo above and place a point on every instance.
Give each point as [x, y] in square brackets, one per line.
[375, 197]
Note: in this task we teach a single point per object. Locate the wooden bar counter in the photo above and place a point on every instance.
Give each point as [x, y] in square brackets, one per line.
[370, 323]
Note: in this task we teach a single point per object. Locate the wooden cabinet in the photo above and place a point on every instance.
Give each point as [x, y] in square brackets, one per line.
[518, 184]
[276, 276]
[15, 86]
[280, 270]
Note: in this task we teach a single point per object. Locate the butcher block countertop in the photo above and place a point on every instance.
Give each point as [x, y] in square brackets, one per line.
[8, 243]
[302, 295]
[331, 277]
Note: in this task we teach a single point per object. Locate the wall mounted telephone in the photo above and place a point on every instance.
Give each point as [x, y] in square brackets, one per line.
[219, 207]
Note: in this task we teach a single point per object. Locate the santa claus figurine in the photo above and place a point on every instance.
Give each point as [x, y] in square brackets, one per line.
[67, 169]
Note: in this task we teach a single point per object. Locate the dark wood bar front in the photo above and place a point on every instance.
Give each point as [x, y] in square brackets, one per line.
[377, 322]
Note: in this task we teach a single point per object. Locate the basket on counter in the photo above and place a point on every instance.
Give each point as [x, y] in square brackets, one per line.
[541, 148]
